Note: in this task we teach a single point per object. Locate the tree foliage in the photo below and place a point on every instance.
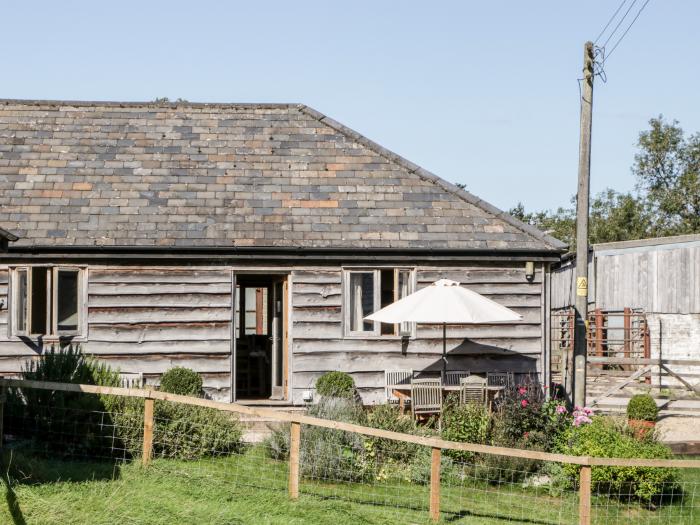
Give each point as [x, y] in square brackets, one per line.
[666, 200]
[668, 175]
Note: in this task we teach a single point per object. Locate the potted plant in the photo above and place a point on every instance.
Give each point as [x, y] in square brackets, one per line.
[642, 413]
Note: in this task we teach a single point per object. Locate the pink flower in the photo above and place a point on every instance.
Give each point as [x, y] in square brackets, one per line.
[561, 409]
[523, 403]
[582, 416]
[580, 420]
[522, 390]
[526, 434]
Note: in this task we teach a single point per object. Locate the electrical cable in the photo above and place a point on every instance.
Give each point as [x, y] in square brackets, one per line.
[619, 23]
[607, 55]
[610, 21]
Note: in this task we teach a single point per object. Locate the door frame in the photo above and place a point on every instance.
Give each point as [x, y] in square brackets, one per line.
[285, 276]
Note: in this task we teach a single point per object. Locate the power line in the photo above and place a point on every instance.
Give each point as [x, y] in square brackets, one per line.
[619, 23]
[607, 55]
[610, 21]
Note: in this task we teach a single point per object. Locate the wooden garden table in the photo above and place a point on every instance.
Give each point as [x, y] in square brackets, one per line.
[403, 392]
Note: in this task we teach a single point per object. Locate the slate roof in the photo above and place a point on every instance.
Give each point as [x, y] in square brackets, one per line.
[217, 175]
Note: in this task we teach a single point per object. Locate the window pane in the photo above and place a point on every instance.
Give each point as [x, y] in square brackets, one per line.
[67, 301]
[21, 301]
[255, 311]
[403, 291]
[388, 294]
[361, 301]
[39, 302]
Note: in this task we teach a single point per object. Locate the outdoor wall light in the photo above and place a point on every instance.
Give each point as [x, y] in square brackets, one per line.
[307, 396]
[529, 270]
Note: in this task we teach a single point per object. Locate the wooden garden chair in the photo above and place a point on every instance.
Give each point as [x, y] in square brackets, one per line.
[394, 378]
[454, 377]
[504, 379]
[426, 398]
[472, 390]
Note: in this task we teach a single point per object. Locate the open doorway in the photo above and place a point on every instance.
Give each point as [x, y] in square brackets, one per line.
[261, 337]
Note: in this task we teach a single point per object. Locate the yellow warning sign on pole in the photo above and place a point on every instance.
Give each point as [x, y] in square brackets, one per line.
[582, 286]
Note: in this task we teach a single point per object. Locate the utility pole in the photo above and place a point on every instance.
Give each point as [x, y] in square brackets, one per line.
[582, 198]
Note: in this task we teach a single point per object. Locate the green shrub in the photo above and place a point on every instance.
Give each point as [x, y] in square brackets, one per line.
[604, 437]
[389, 417]
[182, 381]
[335, 384]
[179, 431]
[334, 454]
[523, 419]
[467, 423]
[642, 406]
[326, 453]
[62, 423]
[519, 412]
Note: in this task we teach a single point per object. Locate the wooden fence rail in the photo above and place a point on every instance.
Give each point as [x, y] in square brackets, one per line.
[297, 420]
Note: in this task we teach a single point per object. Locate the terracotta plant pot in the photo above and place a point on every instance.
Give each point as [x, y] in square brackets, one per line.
[641, 427]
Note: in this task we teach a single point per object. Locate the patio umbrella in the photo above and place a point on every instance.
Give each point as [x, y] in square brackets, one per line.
[445, 302]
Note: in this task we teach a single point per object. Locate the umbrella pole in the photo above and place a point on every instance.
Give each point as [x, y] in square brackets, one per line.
[444, 351]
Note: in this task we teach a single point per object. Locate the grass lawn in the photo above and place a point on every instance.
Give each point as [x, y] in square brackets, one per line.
[250, 488]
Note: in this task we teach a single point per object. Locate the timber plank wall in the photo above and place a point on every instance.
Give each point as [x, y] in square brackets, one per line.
[147, 319]
[318, 344]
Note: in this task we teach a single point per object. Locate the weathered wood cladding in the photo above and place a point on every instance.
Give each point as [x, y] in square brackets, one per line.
[319, 346]
[663, 279]
[147, 319]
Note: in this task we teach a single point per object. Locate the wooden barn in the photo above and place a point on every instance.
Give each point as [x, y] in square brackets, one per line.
[245, 241]
[644, 309]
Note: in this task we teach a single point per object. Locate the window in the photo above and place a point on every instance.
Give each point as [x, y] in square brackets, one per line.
[366, 291]
[252, 311]
[46, 301]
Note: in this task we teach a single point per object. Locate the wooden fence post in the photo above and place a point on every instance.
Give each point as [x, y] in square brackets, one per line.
[3, 396]
[294, 443]
[584, 496]
[147, 431]
[435, 484]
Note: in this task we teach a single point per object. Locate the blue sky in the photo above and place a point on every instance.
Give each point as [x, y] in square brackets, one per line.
[482, 93]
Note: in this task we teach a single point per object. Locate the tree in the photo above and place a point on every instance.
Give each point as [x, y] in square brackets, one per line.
[560, 224]
[667, 200]
[668, 173]
[617, 217]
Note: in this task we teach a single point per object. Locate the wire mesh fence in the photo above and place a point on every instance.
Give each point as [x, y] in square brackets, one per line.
[76, 436]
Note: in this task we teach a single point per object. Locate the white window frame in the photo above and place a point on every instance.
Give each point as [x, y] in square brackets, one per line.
[54, 302]
[51, 303]
[349, 332]
[375, 333]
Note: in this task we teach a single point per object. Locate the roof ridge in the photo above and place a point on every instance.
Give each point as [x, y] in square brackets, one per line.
[151, 103]
[431, 177]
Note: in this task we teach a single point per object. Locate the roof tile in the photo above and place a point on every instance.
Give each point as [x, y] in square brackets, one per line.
[143, 174]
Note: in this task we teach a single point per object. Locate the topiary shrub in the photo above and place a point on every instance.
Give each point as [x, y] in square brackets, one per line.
[182, 381]
[606, 438]
[642, 407]
[335, 384]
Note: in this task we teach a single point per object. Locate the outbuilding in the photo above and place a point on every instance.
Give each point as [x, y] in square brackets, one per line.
[247, 242]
